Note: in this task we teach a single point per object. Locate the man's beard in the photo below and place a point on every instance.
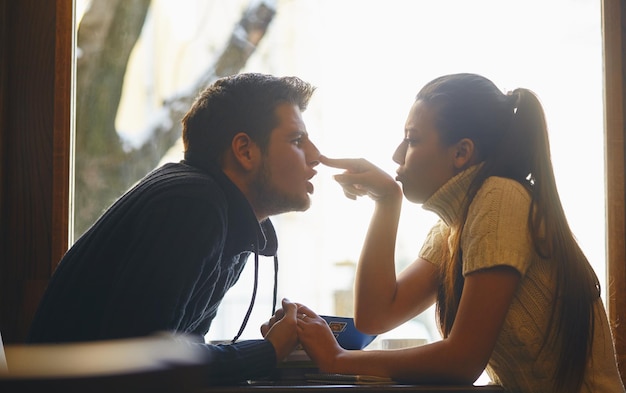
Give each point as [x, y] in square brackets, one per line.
[272, 201]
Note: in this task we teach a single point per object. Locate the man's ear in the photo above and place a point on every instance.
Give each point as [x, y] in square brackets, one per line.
[464, 153]
[245, 151]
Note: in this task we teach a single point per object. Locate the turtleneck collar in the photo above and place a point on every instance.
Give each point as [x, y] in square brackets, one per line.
[448, 200]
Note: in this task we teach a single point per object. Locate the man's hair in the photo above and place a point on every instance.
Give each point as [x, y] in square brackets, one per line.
[239, 103]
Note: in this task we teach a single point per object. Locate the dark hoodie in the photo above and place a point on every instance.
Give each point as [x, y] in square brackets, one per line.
[161, 258]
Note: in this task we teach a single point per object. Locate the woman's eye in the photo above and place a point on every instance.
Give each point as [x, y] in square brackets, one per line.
[410, 141]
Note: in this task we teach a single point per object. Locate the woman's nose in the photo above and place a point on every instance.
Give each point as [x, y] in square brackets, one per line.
[398, 155]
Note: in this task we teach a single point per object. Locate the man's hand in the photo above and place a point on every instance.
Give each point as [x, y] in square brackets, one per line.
[278, 315]
[280, 330]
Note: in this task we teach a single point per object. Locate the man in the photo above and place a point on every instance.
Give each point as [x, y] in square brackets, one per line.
[162, 257]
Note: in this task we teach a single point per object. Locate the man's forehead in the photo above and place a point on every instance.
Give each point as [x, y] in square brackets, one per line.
[287, 109]
[290, 116]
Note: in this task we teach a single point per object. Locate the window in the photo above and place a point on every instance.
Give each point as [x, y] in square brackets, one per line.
[368, 60]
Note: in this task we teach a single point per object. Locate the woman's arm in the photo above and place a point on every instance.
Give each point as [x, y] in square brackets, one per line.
[382, 300]
[415, 290]
[375, 284]
[459, 358]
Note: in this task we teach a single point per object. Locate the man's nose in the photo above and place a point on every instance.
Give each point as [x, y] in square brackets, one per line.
[313, 156]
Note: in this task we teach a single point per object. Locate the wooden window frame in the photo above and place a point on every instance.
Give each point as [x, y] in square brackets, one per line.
[614, 52]
[36, 53]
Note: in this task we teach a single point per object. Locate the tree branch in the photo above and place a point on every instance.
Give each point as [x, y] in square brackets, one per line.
[103, 168]
[166, 128]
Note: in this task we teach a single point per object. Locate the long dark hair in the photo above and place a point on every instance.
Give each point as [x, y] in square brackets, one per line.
[511, 138]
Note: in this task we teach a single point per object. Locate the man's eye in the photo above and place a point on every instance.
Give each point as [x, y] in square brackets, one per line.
[410, 141]
[298, 141]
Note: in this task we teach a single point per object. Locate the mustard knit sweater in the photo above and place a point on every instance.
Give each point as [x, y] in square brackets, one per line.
[496, 233]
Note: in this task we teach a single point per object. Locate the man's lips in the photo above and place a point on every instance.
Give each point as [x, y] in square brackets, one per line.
[309, 186]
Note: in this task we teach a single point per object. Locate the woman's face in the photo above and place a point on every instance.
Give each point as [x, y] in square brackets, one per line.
[425, 163]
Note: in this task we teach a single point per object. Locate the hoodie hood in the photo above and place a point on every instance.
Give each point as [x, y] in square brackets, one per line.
[240, 217]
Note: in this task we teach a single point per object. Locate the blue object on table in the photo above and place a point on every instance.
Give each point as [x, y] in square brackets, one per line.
[346, 333]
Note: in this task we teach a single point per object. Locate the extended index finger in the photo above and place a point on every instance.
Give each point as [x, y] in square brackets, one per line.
[342, 163]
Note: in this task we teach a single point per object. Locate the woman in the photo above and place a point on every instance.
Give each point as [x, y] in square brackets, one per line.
[514, 292]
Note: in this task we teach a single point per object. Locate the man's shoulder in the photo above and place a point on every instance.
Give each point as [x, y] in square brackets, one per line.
[176, 175]
[178, 171]
[179, 181]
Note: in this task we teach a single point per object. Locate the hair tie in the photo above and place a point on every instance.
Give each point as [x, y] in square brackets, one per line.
[513, 98]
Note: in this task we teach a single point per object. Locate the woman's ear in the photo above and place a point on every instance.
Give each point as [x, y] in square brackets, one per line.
[245, 151]
[464, 153]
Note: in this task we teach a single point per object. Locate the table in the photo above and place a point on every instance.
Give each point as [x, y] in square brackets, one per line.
[317, 388]
[161, 365]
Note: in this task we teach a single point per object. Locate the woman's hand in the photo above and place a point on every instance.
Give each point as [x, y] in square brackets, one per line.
[318, 340]
[363, 178]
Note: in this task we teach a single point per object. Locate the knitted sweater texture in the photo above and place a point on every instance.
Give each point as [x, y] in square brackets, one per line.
[496, 233]
[161, 258]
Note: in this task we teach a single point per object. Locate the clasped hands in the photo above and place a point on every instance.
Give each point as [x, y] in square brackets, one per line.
[296, 323]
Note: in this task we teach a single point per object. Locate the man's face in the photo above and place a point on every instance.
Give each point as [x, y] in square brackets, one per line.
[282, 183]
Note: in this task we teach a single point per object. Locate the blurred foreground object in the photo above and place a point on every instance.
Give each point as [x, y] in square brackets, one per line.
[159, 363]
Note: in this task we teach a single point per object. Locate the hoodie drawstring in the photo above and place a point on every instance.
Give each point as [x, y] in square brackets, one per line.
[275, 298]
[254, 290]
